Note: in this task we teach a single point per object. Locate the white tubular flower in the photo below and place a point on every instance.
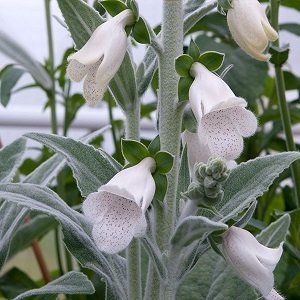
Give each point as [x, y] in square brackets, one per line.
[250, 27]
[117, 210]
[253, 261]
[101, 57]
[222, 118]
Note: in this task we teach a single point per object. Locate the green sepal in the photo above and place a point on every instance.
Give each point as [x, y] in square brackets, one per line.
[214, 246]
[134, 151]
[161, 185]
[184, 87]
[212, 60]
[183, 64]
[140, 32]
[189, 121]
[113, 7]
[154, 146]
[164, 162]
[194, 50]
[133, 6]
[279, 55]
[223, 6]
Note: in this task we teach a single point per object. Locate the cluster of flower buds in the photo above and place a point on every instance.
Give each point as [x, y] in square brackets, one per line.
[207, 188]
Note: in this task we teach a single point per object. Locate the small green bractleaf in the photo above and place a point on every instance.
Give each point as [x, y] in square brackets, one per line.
[11, 159]
[195, 228]
[154, 146]
[132, 4]
[70, 283]
[279, 55]
[212, 60]
[183, 64]
[9, 78]
[164, 162]
[189, 121]
[184, 87]
[113, 7]
[194, 50]
[140, 32]
[246, 217]
[134, 151]
[161, 185]
[223, 6]
[275, 233]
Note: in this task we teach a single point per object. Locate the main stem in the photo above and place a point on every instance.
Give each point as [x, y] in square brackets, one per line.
[52, 93]
[283, 105]
[133, 252]
[170, 117]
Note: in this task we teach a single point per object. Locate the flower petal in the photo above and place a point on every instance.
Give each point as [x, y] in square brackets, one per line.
[113, 232]
[76, 70]
[141, 227]
[221, 135]
[92, 92]
[273, 296]
[244, 120]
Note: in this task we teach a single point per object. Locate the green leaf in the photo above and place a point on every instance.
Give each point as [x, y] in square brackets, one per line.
[161, 185]
[154, 146]
[250, 180]
[15, 282]
[184, 174]
[184, 87]
[9, 78]
[81, 19]
[279, 55]
[35, 228]
[11, 218]
[140, 32]
[164, 162]
[113, 7]
[18, 54]
[71, 283]
[194, 229]
[194, 50]
[134, 151]
[291, 27]
[183, 64]
[189, 121]
[275, 233]
[11, 159]
[294, 236]
[212, 60]
[91, 167]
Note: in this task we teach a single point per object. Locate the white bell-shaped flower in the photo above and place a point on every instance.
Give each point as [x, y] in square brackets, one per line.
[117, 210]
[252, 261]
[198, 152]
[250, 27]
[101, 57]
[222, 118]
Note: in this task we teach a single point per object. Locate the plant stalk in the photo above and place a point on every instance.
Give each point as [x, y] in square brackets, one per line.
[283, 106]
[133, 251]
[51, 94]
[170, 117]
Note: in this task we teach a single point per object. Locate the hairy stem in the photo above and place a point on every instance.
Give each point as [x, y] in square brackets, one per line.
[283, 106]
[169, 115]
[133, 252]
[51, 94]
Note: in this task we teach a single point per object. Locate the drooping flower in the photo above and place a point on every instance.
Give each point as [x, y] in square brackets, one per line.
[222, 118]
[101, 57]
[117, 209]
[250, 27]
[252, 261]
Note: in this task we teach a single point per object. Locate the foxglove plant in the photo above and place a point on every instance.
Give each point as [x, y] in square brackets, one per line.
[177, 202]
